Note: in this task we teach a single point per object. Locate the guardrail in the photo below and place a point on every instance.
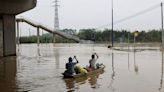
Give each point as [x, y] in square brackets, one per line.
[37, 25]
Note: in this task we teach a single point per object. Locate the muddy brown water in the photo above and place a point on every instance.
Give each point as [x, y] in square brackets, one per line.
[39, 69]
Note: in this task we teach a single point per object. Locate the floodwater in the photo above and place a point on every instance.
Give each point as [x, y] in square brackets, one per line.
[39, 69]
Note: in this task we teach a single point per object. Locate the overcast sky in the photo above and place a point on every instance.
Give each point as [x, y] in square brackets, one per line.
[79, 14]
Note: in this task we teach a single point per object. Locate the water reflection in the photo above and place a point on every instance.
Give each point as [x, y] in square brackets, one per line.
[93, 80]
[112, 76]
[38, 51]
[74, 84]
[161, 80]
[135, 63]
[128, 61]
[113, 72]
[57, 58]
[8, 74]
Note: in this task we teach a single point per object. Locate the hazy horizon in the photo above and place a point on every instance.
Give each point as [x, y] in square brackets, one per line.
[83, 14]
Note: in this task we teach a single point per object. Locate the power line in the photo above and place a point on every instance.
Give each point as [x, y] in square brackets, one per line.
[132, 16]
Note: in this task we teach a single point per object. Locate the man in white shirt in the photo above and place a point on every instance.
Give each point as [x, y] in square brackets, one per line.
[92, 61]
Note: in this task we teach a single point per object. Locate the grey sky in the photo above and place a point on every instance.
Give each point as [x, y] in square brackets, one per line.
[78, 14]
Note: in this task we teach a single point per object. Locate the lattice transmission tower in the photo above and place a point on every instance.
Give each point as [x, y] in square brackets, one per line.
[56, 19]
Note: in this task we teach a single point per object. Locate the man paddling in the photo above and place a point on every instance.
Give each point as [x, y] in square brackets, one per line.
[92, 61]
[70, 66]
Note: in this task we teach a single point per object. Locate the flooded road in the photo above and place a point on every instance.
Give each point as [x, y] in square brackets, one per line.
[39, 70]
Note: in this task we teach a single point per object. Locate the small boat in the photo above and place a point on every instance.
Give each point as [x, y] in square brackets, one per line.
[99, 70]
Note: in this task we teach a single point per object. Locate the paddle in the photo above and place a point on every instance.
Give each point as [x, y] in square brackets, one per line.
[75, 58]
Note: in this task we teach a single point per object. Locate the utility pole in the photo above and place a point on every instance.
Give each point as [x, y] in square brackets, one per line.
[112, 38]
[128, 40]
[162, 24]
[56, 19]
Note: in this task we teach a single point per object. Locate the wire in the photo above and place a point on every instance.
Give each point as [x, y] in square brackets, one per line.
[132, 16]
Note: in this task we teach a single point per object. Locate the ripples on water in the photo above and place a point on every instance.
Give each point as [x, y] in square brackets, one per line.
[39, 70]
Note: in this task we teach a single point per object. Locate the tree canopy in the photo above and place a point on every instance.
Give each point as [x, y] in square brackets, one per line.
[98, 36]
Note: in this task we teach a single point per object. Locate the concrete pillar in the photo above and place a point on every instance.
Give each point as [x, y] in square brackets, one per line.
[7, 35]
[8, 10]
[1, 36]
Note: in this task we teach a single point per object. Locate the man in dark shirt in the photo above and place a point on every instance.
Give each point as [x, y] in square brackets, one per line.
[70, 66]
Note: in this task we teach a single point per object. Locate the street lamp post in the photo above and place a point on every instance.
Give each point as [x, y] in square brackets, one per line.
[112, 38]
[162, 24]
[135, 35]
